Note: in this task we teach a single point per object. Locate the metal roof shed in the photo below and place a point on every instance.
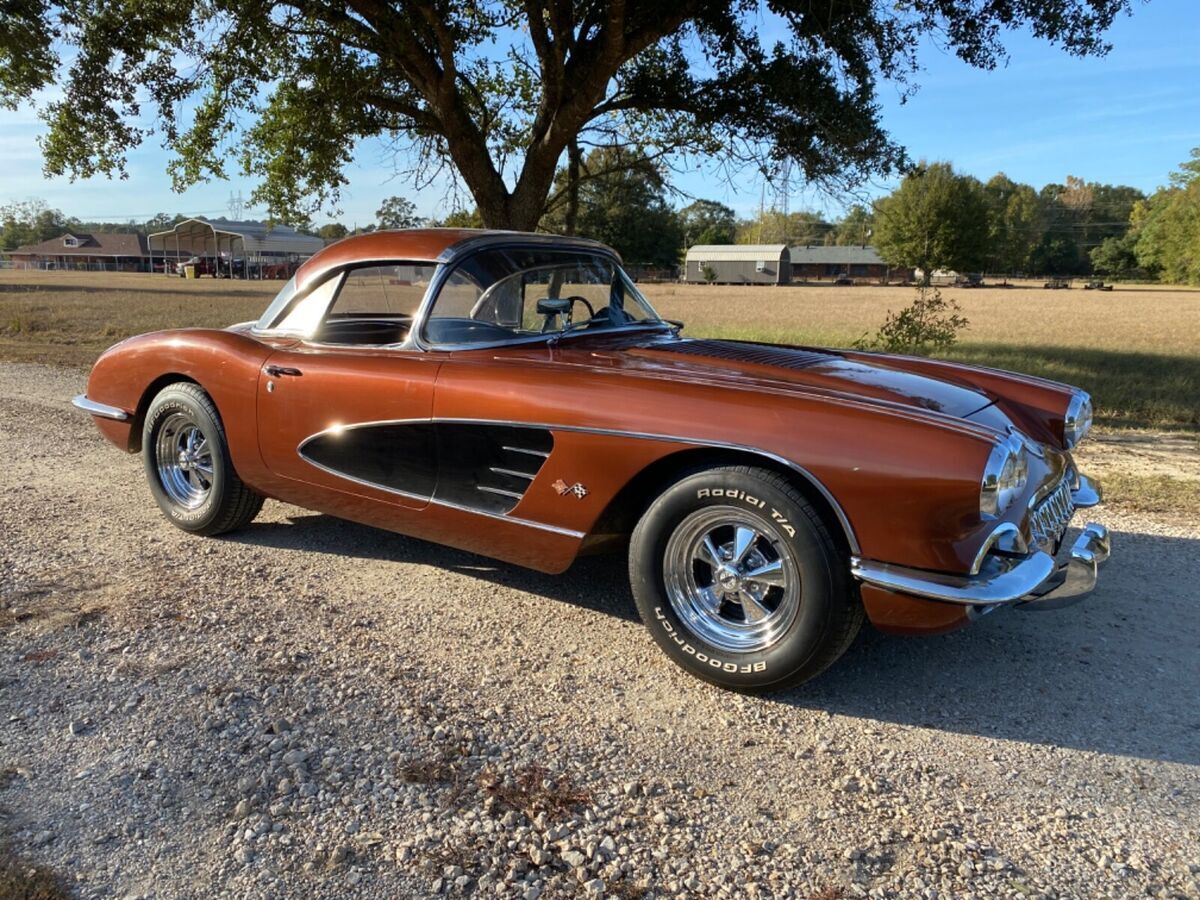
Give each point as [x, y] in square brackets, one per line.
[738, 263]
[257, 242]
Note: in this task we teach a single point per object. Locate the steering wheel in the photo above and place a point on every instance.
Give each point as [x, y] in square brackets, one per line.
[563, 306]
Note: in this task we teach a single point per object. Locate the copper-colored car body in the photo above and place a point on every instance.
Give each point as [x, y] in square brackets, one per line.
[889, 449]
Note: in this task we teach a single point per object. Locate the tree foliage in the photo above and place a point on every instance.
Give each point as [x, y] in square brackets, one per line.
[772, 226]
[1167, 227]
[495, 89]
[398, 212]
[332, 231]
[936, 219]
[1115, 256]
[707, 222]
[622, 202]
[1014, 224]
[856, 227]
[29, 222]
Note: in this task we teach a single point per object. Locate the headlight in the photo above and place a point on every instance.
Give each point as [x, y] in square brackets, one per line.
[1004, 476]
[1078, 419]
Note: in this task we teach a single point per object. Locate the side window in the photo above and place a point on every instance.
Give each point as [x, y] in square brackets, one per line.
[386, 291]
[304, 317]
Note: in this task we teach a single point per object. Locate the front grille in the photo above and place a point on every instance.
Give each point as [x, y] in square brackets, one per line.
[1049, 517]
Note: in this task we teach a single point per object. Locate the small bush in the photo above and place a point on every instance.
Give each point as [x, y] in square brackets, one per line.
[929, 325]
[709, 274]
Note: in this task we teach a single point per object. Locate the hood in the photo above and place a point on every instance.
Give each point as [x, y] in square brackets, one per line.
[787, 368]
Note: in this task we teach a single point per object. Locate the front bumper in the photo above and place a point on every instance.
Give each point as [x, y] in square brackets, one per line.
[1033, 581]
[103, 410]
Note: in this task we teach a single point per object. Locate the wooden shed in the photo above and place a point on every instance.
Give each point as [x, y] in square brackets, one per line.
[738, 264]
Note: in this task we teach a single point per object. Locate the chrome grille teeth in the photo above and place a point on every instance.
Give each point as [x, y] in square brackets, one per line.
[1049, 518]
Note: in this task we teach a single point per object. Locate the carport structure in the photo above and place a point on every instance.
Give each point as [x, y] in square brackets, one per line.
[255, 244]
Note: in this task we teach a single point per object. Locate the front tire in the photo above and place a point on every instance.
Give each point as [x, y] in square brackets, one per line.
[188, 466]
[740, 581]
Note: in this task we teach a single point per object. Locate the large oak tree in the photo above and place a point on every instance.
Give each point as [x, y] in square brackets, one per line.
[498, 90]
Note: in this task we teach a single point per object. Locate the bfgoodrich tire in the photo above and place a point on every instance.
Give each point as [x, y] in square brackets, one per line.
[740, 582]
[188, 467]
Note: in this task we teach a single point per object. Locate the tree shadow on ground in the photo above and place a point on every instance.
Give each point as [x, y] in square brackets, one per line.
[1115, 674]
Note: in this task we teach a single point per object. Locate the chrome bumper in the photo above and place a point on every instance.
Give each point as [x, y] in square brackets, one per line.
[1035, 581]
[103, 410]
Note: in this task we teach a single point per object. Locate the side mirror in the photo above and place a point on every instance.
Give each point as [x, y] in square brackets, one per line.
[553, 306]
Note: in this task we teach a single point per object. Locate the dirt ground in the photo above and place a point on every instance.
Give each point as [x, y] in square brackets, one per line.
[311, 707]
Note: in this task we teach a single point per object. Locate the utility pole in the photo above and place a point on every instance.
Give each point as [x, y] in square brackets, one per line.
[235, 205]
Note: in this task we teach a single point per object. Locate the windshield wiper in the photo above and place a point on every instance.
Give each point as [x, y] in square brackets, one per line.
[580, 328]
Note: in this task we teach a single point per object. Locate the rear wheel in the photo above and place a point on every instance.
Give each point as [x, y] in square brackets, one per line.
[740, 581]
[188, 466]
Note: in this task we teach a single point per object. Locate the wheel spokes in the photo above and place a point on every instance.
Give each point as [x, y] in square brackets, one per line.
[754, 610]
[743, 539]
[708, 553]
[770, 574]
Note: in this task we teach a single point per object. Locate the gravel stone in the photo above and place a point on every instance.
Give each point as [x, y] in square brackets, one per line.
[316, 708]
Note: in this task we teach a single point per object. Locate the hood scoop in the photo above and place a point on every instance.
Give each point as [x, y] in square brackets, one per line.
[757, 354]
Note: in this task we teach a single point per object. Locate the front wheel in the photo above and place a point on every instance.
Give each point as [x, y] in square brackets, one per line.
[188, 466]
[740, 582]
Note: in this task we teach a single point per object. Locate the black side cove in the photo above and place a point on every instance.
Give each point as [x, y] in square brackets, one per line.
[489, 467]
[479, 466]
[400, 457]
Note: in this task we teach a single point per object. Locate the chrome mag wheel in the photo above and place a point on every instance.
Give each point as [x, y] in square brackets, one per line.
[183, 457]
[732, 578]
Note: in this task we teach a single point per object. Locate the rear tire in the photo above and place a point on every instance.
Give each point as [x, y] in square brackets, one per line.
[740, 582]
[187, 464]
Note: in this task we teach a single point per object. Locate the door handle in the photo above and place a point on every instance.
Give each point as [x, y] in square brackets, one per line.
[276, 371]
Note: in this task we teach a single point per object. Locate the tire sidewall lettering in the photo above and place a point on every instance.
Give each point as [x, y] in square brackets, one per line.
[749, 500]
[729, 668]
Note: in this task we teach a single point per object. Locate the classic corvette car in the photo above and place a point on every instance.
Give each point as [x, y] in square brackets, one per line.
[514, 395]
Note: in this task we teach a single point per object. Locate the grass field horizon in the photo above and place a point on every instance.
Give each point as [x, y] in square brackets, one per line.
[1136, 349]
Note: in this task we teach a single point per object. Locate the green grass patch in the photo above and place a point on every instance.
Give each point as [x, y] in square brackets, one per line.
[1155, 494]
[1130, 390]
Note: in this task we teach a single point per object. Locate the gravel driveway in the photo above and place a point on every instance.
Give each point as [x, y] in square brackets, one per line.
[315, 708]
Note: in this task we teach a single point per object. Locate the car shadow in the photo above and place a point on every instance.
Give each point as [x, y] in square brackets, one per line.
[598, 583]
[1118, 672]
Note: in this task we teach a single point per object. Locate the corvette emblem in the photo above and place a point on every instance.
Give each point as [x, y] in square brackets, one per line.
[563, 489]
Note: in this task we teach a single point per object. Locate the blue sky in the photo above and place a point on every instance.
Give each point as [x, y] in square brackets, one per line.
[1129, 118]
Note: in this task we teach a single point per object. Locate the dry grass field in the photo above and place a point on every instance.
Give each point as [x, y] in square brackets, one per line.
[1137, 350]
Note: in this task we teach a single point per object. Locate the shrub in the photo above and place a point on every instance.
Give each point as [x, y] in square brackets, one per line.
[929, 325]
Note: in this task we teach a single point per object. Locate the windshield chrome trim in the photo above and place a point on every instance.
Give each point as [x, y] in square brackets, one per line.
[454, 255]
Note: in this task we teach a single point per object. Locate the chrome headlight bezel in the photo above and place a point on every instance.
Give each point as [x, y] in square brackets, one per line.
[1004, 476]
[1077, 421]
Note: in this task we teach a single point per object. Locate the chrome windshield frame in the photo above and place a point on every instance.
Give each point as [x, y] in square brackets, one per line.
[455, 255]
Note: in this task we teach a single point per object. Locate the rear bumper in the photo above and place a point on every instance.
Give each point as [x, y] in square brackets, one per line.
[1035, 581]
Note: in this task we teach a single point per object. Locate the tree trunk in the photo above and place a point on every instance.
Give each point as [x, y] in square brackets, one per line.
[571, 217]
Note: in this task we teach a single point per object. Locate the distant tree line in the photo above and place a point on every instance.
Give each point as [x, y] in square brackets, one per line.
[936, 219]
[940, 219]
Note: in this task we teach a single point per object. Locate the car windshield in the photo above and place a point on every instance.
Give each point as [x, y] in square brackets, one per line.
[512, 293]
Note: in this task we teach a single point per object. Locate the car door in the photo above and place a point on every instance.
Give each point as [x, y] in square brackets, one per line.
[346, 408]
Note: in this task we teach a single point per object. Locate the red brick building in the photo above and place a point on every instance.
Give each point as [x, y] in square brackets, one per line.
[89, 251]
